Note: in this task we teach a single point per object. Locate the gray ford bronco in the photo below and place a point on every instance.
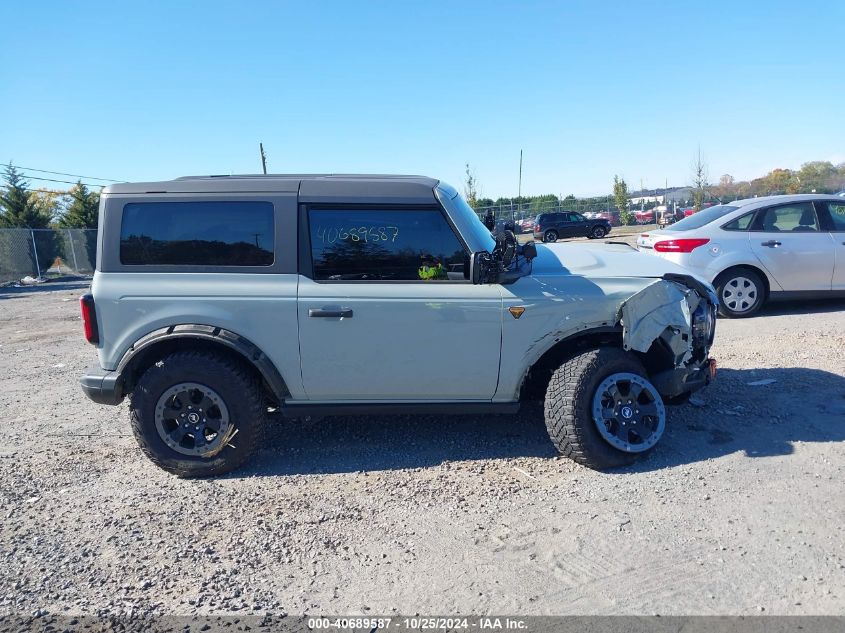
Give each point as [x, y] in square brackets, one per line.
[219, 300]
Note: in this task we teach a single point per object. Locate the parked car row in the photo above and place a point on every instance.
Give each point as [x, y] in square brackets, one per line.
[759, 249]
[525, 225]
[611, 215]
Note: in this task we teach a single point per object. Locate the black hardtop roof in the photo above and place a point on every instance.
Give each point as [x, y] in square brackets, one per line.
[311, 187]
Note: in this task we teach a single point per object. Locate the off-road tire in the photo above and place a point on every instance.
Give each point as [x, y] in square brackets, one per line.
[568, 404]
[240, 391]
[550, 236]
[734, 273]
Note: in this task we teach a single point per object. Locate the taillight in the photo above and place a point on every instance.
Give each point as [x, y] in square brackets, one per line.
[89, 318]
[680, 246]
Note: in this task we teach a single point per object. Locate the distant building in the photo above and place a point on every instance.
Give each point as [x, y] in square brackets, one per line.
[678, 194]
[661, 196]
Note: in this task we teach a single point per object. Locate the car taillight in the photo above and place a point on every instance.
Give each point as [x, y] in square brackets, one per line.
[537, 227]
[680, 246]
[89, 318]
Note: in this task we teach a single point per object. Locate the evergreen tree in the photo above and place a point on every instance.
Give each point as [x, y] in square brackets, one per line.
[18, 208]
[82, 211]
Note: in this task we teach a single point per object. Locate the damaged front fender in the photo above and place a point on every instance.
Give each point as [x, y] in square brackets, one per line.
[662, 310]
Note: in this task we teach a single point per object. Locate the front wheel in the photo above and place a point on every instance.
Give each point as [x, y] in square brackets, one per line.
[197, 414]
[598, 232]
[601, 410]
[550, 236]
[741, 293]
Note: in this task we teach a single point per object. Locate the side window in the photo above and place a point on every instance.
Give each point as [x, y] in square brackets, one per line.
[197, 234]
[740, 224]
[836, 210]
[797, 217]
[393, 245]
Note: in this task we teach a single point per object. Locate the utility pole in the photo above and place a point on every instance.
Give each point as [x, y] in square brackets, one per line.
[519, 188]
[263, 158]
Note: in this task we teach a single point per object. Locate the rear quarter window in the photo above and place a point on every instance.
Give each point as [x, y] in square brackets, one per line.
[739, 224]
[214, 233]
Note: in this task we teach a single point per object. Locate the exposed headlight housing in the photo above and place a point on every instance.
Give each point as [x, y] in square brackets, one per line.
[703, 325]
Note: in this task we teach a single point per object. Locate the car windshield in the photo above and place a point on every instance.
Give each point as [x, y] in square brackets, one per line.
[697, 220]
[467, 219]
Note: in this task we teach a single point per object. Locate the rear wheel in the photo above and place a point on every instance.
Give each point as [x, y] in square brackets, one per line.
[197, 414]
[601, 410]
[550, 236]
[741, 292]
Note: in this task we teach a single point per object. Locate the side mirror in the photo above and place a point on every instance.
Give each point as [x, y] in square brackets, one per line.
[529, 250]
[506, 244]
[479, 266]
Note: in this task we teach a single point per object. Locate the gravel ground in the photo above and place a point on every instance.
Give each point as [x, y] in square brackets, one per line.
[738, 511]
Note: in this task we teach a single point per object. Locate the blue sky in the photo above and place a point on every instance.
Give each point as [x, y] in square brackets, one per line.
[154, 90]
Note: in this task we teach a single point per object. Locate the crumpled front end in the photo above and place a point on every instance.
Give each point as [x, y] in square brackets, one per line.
[673, 321]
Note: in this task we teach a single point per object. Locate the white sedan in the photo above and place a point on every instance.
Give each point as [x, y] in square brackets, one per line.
[776, 247]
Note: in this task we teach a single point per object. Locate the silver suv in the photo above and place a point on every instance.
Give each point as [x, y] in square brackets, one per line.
[218, 300]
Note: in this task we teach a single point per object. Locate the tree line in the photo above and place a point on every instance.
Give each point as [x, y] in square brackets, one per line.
[811, 177]
[24, 207]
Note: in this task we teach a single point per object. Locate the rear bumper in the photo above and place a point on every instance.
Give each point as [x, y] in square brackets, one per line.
[676, 382]
[102, 386]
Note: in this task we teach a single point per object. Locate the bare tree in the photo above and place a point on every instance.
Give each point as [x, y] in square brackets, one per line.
[471, 188]
[699, 181]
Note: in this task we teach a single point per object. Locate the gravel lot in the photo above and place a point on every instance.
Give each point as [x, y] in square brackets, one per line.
[739, 511]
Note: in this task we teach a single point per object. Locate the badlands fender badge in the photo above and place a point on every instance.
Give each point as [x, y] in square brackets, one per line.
[516, 311]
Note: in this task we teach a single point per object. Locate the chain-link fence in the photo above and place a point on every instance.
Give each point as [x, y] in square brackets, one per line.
[525, 210]
[46, 252]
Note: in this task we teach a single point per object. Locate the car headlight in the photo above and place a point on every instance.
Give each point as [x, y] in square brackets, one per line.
[703, 325]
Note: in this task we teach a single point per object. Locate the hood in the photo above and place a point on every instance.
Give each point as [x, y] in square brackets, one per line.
[600, 260]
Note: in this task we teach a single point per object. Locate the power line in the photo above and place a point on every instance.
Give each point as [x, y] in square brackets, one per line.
[58, 192]
[61, 173]
[70, 182]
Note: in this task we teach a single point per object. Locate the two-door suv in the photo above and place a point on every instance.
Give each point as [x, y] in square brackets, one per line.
[219, 299]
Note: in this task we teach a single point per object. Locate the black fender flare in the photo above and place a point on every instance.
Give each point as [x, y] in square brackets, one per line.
[245, 348]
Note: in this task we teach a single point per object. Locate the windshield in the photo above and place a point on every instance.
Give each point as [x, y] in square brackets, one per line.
[466, 220]
[697, 220]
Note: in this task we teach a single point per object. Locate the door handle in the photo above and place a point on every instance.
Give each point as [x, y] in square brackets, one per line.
[771, 244]
[343, 313]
